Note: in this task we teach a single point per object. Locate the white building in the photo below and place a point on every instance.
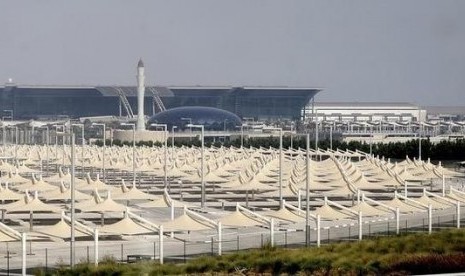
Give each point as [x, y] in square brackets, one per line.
[364, 111]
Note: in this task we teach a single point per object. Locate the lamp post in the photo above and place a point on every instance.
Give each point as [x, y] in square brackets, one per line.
[82, 147]
[47, 144]
[316, 129]
[224, 129]
[16, 144]
[31, 140]
[242, 134]
[73, 196]
[103, 150]
[3, 139]
[190, 123]
[133, 149]
[165, 138]
[172, 142]
[419, 140]
[280, 181]
[56, 140]
[307, 190]
[331, 137]
[371, 140]
[202, 199]
[292, 129]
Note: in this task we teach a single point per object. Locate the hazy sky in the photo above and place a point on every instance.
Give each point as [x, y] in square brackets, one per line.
[357, 50]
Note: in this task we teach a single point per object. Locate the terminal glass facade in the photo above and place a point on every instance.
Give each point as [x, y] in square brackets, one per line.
[262, 103]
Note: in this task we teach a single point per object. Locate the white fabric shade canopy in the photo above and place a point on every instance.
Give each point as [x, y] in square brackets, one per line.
[63, 193]
[285, 215]
[367, 210]
[14, 178]
[7, 194]
[32, 204]
[125, 226]
[36, 185]
[106, 205]
[125, 193]
[239, 219]
[7, 237]
[60, 230]
[92, 185]
[403, 207]
[329, 213]
[185, 223]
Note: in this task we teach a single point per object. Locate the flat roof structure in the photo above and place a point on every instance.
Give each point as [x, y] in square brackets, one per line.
[366, 111]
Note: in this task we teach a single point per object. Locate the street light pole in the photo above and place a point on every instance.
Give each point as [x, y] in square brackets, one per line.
[82, 147]
[133, 150]
[3, 139]
[280, 168]
[165, 129]
[56, 141]
[190, 123]
[73, 197]
[172, 142]
[280, 181]
[202, 199]
[16, 144]
[104, 146]
[331, 137]
[316, 129]
[242, 135]
[47, 144]
[419, 141]
[307, 191]
[292, 146]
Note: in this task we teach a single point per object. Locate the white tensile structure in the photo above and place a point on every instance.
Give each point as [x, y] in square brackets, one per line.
[350, 195]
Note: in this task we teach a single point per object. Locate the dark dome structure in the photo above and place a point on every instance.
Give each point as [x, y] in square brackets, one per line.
[211, 118]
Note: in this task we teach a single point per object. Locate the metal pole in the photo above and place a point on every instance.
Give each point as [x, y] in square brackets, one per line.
[16, 144]
[3, 139]
[371, 141]
[202, 164]
[202, 170]
[165, 138]
[103, 155]
[73, 188]
[430, 219]
[291, 137]
[134, 153]
[82, 150]
[280, 168]
[331, 137]
[23, 253]
[419, 134]
[316, 129]
[242, 136]
[458, 213]
[172, 142]
[307, 192]
[165, 131]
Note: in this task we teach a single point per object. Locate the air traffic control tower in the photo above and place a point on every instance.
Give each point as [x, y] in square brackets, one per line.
[139, 133]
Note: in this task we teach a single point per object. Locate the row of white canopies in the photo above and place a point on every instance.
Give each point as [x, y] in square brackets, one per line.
[232, 170]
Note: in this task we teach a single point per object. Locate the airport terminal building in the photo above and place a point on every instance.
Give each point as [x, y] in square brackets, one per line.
[261, 103]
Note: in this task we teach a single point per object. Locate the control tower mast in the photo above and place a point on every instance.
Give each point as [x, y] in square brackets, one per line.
[140, 95]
